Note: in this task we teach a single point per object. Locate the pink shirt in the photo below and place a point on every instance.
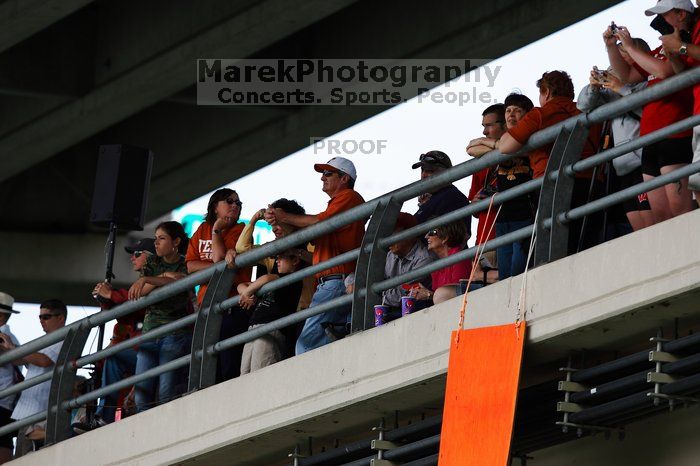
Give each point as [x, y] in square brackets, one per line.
[452, 274]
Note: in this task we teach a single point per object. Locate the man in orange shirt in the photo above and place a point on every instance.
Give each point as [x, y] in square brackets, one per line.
[338, 177]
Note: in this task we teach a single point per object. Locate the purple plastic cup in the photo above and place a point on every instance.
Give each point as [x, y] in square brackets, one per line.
[380, 315]
[407, 303]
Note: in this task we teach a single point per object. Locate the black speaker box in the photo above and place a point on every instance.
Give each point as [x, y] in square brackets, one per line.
[121, 186]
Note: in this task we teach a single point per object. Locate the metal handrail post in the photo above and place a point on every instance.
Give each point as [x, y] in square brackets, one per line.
[370, 265]
[207, 330]
[546, 198]
[58, 420]
[563, 191]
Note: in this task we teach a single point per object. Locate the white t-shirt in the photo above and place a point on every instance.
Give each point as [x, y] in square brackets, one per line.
[7, 372]
[36, 398]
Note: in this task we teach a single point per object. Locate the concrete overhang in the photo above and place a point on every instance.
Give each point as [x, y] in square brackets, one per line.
[607, 297]
[77, 74]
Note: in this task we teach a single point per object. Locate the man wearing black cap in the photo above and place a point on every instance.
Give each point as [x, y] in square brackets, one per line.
[9, 375]
[123, 363]
[441, 200]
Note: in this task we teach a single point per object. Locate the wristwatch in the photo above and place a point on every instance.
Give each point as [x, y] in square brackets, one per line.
[683, 50]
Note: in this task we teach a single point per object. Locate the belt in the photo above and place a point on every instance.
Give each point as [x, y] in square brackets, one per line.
[333, 276]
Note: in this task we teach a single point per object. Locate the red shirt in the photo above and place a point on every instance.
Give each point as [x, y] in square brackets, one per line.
[128, 326]
[200, 249]
[690, 61]
[555, 111]
[484, 225]
[665, 111]
[453, 274]
[343, 239]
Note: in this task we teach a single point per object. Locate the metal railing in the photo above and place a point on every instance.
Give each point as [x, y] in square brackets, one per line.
[554, 214]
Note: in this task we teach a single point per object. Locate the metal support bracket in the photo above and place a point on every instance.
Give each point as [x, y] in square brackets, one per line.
[572, 387]
[555, 196]
[58, 420]
[370, 265]
[382, 445]
[581, 427]
[670, 398]
[660, 377]
[207, 329]
[661, 356]
[568, 407]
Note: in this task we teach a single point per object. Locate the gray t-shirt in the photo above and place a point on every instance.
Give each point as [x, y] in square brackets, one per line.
[417, 257]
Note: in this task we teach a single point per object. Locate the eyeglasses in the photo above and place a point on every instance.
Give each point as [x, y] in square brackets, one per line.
[231, 201]
[47, 316]
[138, 254]
[328, 173]
[433, 232]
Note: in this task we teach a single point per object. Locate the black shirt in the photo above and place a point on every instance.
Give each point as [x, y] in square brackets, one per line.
[510, 174]
[276, 304]
[441, 202]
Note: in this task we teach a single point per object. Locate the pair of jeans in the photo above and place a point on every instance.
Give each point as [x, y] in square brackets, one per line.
[155, 353]
[313, 335]
[512, 258]
[115, 369]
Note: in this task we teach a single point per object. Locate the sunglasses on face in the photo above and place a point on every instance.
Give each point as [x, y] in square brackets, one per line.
[432, 233]
[47, 316]
[328, 173]
[138, 254]
[231, 201]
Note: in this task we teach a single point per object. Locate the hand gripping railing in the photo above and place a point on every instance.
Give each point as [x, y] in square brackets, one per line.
[382, 210]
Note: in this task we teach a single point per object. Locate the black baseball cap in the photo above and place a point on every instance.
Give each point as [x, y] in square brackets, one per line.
[144, 244]
[434, 158]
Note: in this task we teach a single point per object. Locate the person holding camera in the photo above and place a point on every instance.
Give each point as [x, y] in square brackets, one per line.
[675, 151]
[122, 364]
[605, 87]
[683, 53]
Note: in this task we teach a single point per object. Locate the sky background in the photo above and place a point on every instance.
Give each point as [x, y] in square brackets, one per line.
[408, 130]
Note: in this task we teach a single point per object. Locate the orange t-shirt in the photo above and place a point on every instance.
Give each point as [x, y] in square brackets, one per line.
[200, 249]
[342, 240]
[556, 110]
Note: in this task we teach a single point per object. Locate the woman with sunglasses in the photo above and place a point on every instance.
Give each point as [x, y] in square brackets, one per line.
[165, 267]
[209, 245]
[445, 241]
[217, 235]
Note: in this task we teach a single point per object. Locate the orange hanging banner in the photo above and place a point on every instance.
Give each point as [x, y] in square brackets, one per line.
[482, 388]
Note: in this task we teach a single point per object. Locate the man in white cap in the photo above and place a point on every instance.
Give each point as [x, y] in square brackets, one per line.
[338, 177]
[9, 375]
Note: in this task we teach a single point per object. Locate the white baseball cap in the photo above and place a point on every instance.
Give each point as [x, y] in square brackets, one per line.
[664, 6]
[338, 163]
